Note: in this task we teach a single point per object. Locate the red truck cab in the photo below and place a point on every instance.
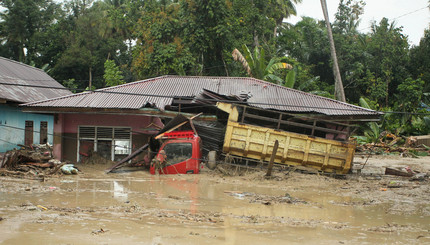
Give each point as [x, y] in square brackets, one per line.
[180, 154]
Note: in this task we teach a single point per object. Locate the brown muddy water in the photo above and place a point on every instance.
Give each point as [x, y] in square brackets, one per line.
[139, 208]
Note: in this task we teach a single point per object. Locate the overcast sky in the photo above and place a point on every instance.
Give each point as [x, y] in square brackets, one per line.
[413, 15]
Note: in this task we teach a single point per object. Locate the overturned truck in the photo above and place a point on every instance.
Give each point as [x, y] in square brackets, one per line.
[256, 143]
[246, 135]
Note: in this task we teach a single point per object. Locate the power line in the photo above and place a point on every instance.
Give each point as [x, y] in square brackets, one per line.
[38, 86]
[8, 142]
[398, 17]
[412, 12]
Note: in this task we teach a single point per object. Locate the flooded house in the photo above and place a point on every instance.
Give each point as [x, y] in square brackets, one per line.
[115, 121]
[21, 83]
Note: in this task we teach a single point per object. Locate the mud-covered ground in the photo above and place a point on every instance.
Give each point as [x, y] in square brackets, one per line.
[214, 208]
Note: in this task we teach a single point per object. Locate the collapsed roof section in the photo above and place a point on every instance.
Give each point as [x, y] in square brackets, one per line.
[163, 92]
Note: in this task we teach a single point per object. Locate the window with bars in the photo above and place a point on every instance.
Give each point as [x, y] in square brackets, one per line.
[110, 142]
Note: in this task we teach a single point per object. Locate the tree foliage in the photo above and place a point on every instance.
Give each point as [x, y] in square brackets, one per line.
[256, 65]
[22, 27]
[113, 75]
[146, 38]
[160, 48]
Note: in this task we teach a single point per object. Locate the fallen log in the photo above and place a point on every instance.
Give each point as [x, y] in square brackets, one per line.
[398, 172]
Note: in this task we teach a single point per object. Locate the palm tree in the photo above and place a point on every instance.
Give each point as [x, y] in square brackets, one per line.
[256, 65]
[338, 86]
[283, 9]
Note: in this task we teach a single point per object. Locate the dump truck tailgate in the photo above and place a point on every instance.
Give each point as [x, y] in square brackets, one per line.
[294, 149]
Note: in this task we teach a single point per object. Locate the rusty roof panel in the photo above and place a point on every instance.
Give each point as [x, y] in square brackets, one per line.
[159, 92]
[26, 82]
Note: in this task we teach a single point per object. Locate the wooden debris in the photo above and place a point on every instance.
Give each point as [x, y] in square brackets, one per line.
[55, 170]
[97, 232]
[35, 160]
[398, 172]
[40, 165]
[389, 144]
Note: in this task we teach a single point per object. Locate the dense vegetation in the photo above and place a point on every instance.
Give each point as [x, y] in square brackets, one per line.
[98, 43]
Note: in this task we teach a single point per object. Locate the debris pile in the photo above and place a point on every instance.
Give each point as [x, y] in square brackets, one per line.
[95, 158]
[34, 160]
[406, 172]
[408, 147]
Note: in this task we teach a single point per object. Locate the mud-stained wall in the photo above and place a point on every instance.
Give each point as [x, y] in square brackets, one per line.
[12, 127]
[67, 125]
[70, 147]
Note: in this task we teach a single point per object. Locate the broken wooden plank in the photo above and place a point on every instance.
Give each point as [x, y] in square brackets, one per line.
[128, 158]
[40, 165]
[398, 172]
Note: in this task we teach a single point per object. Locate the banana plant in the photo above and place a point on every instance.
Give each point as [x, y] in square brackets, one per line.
[371, 130]
[256, 65]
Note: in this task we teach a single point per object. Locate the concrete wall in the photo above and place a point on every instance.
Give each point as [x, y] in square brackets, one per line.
[12, 126]
[66, 130]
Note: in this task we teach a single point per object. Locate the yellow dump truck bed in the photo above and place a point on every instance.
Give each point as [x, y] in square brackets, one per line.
[294, 149]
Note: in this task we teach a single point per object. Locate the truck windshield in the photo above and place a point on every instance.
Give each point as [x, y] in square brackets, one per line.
[178, 152]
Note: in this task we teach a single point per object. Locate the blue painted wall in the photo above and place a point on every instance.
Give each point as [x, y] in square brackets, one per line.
[12, 126]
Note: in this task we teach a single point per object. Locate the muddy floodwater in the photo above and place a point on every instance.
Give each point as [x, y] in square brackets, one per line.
[210, 208]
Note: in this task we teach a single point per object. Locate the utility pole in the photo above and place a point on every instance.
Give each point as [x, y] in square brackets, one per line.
[338, 86]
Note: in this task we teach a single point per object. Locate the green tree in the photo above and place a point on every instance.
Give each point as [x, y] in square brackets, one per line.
[307, 42]
[113, 75]
[252, 22]
[408, 99]
[347, 17]
[207, 32]
[160, 48]
[282, 9]
[387, 50]
[350, 47]
[419, 64]
[409, 94]
[22, 22]
[88, 44]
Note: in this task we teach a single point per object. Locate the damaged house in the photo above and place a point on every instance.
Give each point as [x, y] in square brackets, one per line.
[20, 83]
[115, 121]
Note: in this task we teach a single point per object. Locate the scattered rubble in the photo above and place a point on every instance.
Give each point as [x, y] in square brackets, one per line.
[30, 161]
[391, 145]
[98, 232]
[265, 199]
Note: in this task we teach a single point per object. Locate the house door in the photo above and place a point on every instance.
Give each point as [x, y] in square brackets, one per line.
[43, 132]
[28, 137]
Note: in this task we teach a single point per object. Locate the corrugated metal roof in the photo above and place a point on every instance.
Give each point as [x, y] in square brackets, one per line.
[160, 91]
[15, 73]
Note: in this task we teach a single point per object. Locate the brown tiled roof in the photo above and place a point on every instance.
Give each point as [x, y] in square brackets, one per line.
[160, 91]
[27, 83]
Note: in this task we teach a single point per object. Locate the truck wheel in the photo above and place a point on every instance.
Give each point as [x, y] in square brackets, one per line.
[212, 160]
